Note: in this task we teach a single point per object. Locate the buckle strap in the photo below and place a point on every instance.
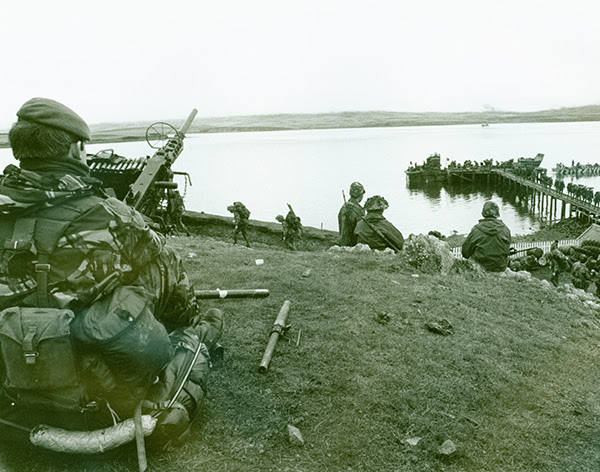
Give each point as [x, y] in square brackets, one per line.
[42, 269]
[29, 345]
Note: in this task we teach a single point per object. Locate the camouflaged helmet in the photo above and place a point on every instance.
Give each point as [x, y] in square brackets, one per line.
[356, 189]
[376, 202]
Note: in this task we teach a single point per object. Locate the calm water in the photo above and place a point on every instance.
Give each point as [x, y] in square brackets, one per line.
[309, 169]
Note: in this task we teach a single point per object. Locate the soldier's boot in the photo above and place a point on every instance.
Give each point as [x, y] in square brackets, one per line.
[209, 328]
[203, 335]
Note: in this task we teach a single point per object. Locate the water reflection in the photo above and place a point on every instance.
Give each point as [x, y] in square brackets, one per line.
[309, 169]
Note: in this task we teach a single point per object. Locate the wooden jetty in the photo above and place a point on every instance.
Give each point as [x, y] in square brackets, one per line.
[543, 198]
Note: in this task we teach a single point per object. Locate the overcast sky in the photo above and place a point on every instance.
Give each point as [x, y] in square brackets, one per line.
[127, 60]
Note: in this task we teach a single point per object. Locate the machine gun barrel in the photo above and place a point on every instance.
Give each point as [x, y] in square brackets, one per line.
[188, 122]
[158, 167]
[249, 293]
[278, 329]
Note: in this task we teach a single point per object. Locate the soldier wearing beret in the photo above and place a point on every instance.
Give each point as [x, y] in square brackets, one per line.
[488, 243]
[68, 246]
[373, 229]
[350, 214]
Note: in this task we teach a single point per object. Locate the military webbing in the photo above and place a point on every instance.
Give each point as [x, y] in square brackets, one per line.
[40, 236]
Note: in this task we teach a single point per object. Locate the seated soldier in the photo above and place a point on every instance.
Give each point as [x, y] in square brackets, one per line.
[73, 254]
[373, 229]
[488, 243]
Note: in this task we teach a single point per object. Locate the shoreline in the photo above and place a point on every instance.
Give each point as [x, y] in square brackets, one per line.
[136, 131]
[315, 239]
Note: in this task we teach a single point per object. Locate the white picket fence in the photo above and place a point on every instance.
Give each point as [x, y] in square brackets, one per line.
[544, 245]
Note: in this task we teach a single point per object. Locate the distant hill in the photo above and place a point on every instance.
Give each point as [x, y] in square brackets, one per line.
[135, 131]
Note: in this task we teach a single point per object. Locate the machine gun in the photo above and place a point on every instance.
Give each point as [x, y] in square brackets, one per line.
[147, 183]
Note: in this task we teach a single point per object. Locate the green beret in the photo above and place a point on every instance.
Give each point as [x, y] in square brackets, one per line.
[45, 111]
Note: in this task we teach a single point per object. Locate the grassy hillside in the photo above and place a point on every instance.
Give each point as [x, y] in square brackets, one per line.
[514, 387]
[117, 132]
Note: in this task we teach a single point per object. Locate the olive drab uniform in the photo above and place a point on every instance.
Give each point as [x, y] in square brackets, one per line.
[559, 263]
[241, 214]
[69, 247]
[378, 233]
[581, 277]
[294, 229]
[488, 243]
[349, 215]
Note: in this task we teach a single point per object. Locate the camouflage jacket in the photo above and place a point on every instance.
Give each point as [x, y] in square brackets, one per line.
[93, 243]
[378, 233]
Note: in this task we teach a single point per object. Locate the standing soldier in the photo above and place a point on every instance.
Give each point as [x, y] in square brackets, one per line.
[240, 219]
[350, 214]
[294, 228]
[284, 227]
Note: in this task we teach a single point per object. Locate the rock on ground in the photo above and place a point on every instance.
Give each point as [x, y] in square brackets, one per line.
[428, 253]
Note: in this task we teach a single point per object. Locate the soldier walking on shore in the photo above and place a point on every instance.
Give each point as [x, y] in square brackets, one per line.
[240, 220]
[294, 228]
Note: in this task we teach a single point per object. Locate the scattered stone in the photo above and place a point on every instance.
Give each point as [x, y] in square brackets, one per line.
[545, 284]
[447, 448]
[522, 274]
[443, 327]
[412, 441]
[466, 266]
[592, 305]
[428, 253]
[294, 436]
[361, 248]
[383, 318]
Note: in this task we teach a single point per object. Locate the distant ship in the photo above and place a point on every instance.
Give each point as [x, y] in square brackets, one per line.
[430, 171]
[531, 162]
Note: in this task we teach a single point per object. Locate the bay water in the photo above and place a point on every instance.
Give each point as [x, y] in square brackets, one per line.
[309, 169]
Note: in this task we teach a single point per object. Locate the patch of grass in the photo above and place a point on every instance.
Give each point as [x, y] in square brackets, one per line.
[514, 386]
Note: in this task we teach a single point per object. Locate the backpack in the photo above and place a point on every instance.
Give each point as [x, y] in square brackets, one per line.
[242, 210]
[37, 356]
[39, 361]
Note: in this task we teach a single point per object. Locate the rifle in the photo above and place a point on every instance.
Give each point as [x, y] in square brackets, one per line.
[155, 182]
[383, 236]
